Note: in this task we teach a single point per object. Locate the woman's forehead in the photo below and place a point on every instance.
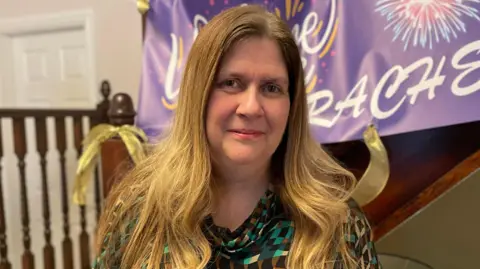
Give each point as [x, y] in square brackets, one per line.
[254, 55]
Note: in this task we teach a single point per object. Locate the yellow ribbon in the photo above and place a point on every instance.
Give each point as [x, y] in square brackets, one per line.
[376, 176]
[143, 6]
[131, 136]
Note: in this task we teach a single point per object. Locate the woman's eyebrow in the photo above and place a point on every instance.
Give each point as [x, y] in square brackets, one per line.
[231, 74]
[266, 78]
[278, 80]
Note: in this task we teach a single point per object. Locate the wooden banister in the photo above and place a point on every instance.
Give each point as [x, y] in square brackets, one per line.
[19, 119]
[46, 113]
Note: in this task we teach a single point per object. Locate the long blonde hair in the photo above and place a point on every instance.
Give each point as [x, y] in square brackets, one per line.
[170, 193]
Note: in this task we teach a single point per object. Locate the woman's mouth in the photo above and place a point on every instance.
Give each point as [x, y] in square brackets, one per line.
[246, 133]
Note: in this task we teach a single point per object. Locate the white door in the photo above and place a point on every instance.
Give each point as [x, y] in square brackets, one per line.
[51, 70]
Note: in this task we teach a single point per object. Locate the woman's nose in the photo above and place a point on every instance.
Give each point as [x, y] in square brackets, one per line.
[250, 102]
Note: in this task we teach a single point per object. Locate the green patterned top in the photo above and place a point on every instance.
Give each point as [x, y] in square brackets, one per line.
[264, 239]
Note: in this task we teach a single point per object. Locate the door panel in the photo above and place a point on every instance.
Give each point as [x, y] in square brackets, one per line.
[51, 69]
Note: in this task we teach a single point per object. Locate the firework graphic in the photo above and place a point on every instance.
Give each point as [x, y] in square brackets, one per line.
[425, 22]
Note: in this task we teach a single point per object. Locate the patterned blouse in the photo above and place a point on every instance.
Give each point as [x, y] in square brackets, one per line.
[264, 239]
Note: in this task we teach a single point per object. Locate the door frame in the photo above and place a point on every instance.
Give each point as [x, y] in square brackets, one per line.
[65, 20]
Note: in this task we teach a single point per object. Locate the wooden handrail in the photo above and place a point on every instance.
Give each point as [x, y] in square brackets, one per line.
[25, 113]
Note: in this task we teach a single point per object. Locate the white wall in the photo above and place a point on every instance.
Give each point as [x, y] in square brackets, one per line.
[445, 233]
[117, 35]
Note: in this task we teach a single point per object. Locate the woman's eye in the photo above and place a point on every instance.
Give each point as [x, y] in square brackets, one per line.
[230, 83]
[272, 88]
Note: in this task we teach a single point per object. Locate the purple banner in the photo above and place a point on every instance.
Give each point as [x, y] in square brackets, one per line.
[403, 65]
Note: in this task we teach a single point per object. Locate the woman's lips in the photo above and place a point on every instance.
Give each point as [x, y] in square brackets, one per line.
[246, 133]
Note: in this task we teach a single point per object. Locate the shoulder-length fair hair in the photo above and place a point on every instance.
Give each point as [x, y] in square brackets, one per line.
[171, 193]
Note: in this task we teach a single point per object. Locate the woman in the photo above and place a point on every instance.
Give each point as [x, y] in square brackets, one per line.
[238, 182]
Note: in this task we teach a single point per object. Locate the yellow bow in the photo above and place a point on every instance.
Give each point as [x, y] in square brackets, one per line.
[131, 136]
[376, 176]
[143, 6]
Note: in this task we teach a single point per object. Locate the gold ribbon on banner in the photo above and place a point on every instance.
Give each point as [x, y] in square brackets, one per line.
[131, 136]
[143, 6]
[377, 173]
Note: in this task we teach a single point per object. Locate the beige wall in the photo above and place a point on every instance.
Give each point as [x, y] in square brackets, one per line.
[117, 35]
[444, 235]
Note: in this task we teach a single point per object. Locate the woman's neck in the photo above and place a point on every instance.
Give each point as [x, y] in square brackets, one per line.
[237, 197]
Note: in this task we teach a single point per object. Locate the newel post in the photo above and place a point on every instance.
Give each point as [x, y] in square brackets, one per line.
[114, 155]
[104, 105]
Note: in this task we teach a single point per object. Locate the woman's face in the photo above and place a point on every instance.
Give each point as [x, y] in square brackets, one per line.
[249, 103]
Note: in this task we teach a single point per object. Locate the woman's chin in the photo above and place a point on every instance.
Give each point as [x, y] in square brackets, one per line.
[243, 157]
[241, 160]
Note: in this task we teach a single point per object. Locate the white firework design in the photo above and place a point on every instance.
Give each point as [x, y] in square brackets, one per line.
[421, 22]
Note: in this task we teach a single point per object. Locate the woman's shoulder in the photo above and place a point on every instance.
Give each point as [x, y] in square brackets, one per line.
[114, 244]
[359, 236]
[117, 229]
[356, 215]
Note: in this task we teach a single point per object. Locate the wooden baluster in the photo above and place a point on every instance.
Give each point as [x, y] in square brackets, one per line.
[4, 263]
[102, 109]
[84, 240]
[96, 182]
[98, 198]
[61, 137]
[42, 147]
[20, 148]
